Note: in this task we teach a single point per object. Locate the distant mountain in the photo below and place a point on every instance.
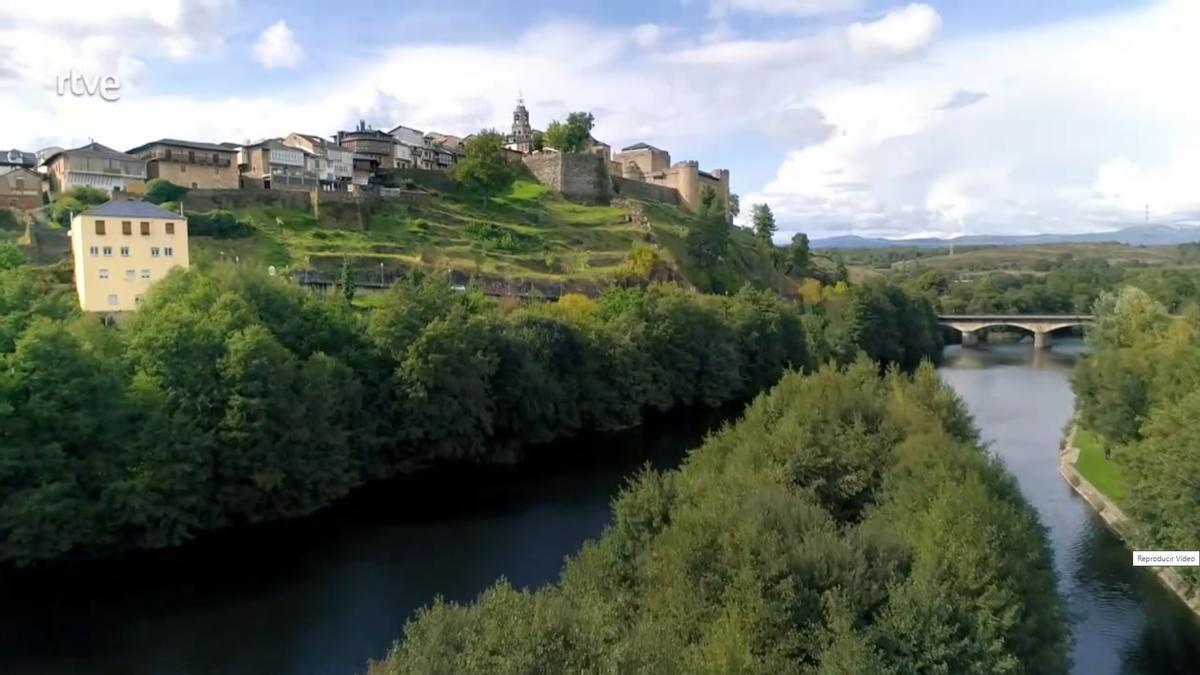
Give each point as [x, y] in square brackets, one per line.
[1142, 235]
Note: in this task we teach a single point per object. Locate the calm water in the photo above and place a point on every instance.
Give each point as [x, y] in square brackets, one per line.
[1125, 621]
[321, 595]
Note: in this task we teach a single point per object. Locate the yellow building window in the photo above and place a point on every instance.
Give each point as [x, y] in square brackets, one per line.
[145, 228]
[124, 251]
[99, 227]
[103, 274]
[126, 227]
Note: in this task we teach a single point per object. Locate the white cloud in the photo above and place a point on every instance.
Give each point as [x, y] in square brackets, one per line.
[42, 40]
[900, 32]
[647, 34]
[1074, 135]
[720, 8]
[277, 47]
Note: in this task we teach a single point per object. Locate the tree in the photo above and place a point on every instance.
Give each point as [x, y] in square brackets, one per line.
[708, 237]
[162, 190]
[485, 167]
[538, 142]
[735, 206]
[799, 256]
[574, 135]
[348, 284]
[764, 222]
[70, 203]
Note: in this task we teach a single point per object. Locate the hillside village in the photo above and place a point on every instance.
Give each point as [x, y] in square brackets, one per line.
[381, 202]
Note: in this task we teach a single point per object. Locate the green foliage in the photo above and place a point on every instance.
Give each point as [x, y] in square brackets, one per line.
[866, 534]
[349, 287]
[235, 397]
[764, 222]
[485, 167]
[799, 256]
[499, 238]
[217, 224]
[708, 238]
[574, 135]
[72, 202]
[538, 141]
[1137, 391]
[10, 256]
[162, 190]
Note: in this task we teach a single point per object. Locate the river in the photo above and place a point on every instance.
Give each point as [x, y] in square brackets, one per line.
[321, 595]
[1125, 621]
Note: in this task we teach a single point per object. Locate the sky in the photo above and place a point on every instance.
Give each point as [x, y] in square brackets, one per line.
[865, 117]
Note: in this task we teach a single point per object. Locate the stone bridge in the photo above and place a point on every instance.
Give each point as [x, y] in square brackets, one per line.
[1041, 325]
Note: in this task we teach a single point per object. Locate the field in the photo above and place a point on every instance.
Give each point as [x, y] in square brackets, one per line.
[1103, 473]
[1032, 259]
[528, 233]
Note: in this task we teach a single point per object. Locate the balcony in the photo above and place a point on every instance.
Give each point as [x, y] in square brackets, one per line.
[199, 159]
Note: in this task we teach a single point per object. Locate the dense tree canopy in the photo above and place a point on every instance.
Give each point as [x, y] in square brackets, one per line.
[848, 524]
[1138, 389]
[235, 397]
[573, 135]
[485, 166]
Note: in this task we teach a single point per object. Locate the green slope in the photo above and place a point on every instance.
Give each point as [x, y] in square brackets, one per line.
[529, 233]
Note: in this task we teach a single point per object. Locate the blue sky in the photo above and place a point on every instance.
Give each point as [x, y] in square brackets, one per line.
[863, 116]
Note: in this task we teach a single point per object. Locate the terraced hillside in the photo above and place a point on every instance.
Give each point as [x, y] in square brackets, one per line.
[527, 234]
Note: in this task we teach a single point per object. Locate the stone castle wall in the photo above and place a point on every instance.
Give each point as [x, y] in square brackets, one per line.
[578, 176]
[207, 200]
[636, 189]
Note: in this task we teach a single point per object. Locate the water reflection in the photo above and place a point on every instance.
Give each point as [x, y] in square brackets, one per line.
[322, 595]
[1124, 621]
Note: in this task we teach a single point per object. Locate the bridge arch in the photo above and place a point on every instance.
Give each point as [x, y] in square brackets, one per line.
[1040, 325]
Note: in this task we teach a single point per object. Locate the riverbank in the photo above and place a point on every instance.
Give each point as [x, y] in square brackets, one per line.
[1115, 518]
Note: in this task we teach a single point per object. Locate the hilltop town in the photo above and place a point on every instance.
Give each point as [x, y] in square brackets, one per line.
[395, 187]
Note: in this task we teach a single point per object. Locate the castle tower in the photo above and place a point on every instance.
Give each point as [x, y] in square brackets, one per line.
[522, 132]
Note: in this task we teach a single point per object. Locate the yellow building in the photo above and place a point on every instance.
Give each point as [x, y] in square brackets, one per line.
[121, 248]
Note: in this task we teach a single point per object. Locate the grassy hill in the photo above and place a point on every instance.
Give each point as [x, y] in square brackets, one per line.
[528, 234]
[1031, 259]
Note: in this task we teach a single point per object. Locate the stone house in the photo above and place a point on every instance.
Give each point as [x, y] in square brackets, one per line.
[371, 143]
[204, 166]
[332, 164]
[95, 165]
[20, 188]
[271, 165]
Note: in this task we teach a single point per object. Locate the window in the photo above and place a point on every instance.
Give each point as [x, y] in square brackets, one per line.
[183, 168]
[171, 226]
[99, 227]
[112, 299]
[124, 251]
[139, 299]
[153, 251]
[126, 227]
[130, 274]
[216, 158]
[193, 185]
[107, 251]
[168, 251]
[103, 274]
[145, 274]
[192, 156]
[20, 184]
[168, 153]
[145, 227]
[95, 250]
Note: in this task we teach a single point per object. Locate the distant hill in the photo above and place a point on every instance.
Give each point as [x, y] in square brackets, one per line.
[1142, 235]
